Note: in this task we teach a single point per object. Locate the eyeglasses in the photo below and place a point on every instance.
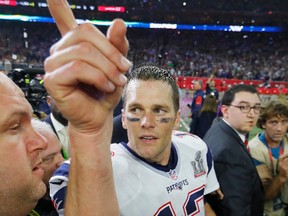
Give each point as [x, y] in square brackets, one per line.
[247, 109]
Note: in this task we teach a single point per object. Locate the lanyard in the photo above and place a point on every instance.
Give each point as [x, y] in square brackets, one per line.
[64, 154]
[281, 151]
[33, 213]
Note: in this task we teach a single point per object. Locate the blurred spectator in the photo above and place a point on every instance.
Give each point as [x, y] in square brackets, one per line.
[197, 100]
[52, 159]
[236, 172]
[203, 121]
[59, 125]
[7, 62]
[269, 150]
[198, 97]
[211, 87]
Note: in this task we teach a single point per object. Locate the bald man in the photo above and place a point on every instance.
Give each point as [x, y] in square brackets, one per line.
[20, 147]
[77, 63]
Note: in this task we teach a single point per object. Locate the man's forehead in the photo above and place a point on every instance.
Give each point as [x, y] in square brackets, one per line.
[149, 93]
[246, 97]
[139, 86]
[12, 105]
[8, 87]
[12, 96]
[277, 118]
[140, 83]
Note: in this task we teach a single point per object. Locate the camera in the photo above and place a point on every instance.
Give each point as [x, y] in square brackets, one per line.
[30, 80]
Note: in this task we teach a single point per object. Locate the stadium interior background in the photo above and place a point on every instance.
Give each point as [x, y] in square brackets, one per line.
[243, 41]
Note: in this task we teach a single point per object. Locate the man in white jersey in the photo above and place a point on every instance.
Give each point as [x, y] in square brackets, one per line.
[159, 171]
[269, 150]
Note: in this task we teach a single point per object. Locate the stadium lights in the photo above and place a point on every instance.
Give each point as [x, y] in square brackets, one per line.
[232, 28]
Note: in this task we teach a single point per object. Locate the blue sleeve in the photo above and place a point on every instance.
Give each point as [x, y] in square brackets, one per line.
[58, 186]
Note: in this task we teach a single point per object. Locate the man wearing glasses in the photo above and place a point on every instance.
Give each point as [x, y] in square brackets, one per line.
[237, 175]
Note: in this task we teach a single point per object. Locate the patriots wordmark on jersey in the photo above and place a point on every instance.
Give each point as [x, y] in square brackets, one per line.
[151, 189]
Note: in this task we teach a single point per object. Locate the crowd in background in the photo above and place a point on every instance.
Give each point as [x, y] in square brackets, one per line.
[224, 55]
[222, 12]
[253, 56]
[231, 55]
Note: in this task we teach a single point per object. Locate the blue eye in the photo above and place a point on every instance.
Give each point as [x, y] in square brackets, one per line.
[135, 110]
[159, 111]
[15, 127]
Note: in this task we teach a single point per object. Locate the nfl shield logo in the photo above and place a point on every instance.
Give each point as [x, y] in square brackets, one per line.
[173, 175]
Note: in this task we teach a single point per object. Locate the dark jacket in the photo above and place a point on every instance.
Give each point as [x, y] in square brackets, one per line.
[201, 123]
[119, 133]
[197, 102]
[48, 120]
[236, 173]
[44, 207]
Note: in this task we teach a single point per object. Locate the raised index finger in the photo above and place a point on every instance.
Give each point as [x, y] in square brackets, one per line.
[63, 15]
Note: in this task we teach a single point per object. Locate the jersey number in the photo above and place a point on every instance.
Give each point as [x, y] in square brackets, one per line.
[190, 207]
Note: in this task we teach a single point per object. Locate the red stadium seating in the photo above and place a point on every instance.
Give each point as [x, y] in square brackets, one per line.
[275, 88]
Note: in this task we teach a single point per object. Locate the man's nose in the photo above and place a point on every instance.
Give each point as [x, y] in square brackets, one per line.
[148, 120]
[37, 142]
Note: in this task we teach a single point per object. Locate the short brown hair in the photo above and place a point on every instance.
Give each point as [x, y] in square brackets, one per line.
[273, 108]
[209, 105]
[154, 73]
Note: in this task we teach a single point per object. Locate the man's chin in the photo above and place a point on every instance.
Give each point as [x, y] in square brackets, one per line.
[42, 190]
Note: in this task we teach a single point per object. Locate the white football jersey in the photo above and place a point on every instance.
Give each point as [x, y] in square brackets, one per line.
[149, 189]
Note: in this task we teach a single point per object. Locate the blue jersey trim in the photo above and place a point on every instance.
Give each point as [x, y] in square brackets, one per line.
[257, 162]
[59, 198]
[209, 159]
[63, 170]
[173, 160]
